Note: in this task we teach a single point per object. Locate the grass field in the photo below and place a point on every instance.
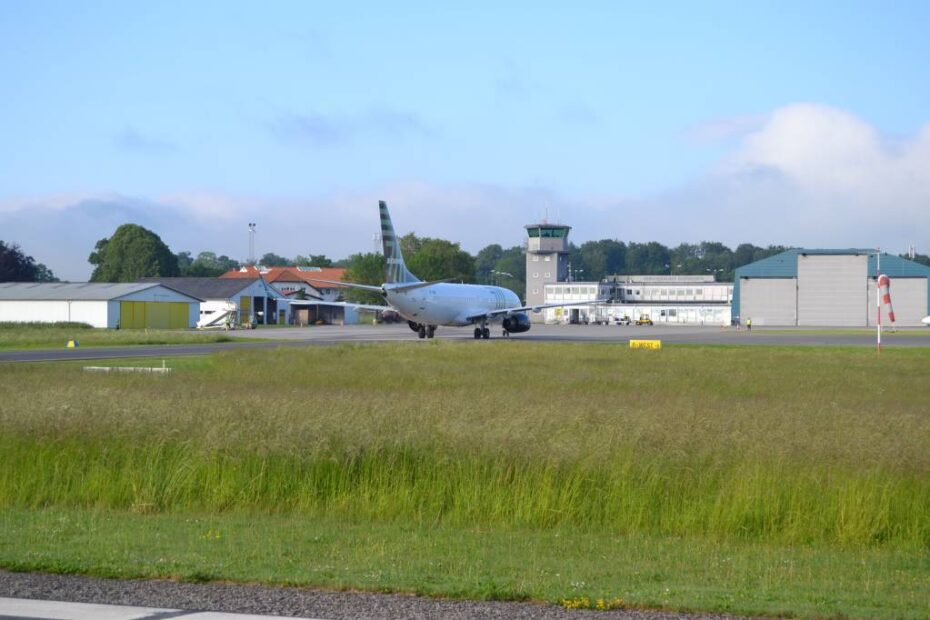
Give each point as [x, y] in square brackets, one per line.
[768, 454]
[51, 336]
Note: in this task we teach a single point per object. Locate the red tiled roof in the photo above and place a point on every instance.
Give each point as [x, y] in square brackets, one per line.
[291, 274]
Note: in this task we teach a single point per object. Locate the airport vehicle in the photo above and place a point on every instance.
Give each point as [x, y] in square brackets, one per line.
[427, 305]
[622, 320]
[644, 320]
[925, 320]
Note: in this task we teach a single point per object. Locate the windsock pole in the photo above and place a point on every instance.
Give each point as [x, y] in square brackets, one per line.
[884, 287]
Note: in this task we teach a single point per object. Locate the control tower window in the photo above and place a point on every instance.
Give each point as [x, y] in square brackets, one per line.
[558, 233]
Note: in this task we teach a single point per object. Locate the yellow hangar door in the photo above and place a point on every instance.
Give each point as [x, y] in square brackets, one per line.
[245, 309]
[153, 315]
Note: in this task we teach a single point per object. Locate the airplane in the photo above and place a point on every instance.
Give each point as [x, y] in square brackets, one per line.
[428, 305]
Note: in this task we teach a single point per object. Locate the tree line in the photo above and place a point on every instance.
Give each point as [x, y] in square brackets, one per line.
[134, 252]
[17, 266]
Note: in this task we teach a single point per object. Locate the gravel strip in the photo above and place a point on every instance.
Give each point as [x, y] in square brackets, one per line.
[301, 602]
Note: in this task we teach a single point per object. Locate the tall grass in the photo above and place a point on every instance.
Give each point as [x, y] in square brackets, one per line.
[55, 335]
[794, 446]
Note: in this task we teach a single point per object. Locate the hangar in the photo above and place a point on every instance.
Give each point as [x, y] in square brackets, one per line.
[242, 300]
[835, 288]
[126, 305]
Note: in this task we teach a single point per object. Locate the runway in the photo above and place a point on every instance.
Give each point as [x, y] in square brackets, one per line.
[334, 334]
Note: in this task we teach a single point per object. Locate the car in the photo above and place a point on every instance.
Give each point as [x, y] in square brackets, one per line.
[644, 320]
[622, 320]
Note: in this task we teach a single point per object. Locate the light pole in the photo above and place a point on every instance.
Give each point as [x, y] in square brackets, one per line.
[252, 243]
[498, 275]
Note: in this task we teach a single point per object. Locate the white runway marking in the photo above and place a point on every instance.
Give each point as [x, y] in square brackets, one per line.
[26, 609]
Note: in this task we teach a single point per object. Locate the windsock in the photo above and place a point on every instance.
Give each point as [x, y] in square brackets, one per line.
[884, 289]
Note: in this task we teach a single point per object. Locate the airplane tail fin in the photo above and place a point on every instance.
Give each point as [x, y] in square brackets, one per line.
[395, 270]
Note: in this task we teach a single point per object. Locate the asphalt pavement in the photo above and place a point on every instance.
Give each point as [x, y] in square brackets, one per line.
[334, 334]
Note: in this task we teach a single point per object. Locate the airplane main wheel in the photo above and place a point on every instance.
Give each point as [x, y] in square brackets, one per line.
[421, 332]
[486, 333]
[430, 331]
[477, 333]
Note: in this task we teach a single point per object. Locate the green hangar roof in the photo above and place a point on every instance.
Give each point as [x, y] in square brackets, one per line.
[785, 265]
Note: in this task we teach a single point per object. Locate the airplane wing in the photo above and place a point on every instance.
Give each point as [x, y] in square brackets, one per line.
[534, 309]
[364, 287]
[409, 286]
[342, 304]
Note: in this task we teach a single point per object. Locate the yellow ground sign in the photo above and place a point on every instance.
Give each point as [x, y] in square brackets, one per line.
[645, 344]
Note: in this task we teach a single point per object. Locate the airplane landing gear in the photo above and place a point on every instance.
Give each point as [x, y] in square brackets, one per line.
[421, 332]
[430, 331]
[482, 332]
[477, 333]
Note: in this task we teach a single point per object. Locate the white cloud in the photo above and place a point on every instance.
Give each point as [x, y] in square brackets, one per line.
[818, 175]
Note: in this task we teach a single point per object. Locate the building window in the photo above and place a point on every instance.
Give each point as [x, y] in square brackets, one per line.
[535, 258]
[548, 258]
[548, 274]
[536, 291]
[629, 291]
[535, 274]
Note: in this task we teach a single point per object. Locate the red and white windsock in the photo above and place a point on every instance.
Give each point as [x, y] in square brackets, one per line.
[884, 289]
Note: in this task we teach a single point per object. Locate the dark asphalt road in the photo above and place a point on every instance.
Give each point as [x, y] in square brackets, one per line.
[330, 335]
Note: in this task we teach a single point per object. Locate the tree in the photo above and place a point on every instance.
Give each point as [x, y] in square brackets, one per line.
[923, 259]
[132, 252]
[438, 259]
[206, 265]
[651, 258]
[364, 269]
[273, 260]
[15, 266]
[313, 260]
[185, 261]
[600, 258]
[486, 262]
[513, 262]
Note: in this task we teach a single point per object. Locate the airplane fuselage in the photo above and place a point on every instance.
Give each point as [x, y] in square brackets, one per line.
[450, 304]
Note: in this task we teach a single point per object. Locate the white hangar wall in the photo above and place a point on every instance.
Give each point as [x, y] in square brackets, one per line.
[95, 313]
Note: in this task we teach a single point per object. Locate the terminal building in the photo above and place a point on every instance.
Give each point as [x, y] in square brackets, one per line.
[678, 299]
[835, 288]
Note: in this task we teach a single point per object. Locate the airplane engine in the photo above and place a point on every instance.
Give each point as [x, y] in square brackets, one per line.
[517, 323]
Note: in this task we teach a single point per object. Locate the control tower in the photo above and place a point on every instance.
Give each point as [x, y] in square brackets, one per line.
[546, 260]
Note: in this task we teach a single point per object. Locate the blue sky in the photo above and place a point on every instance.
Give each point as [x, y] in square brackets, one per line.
[786, 123]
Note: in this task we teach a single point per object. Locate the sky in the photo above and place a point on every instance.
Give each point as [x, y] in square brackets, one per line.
[789, 123]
